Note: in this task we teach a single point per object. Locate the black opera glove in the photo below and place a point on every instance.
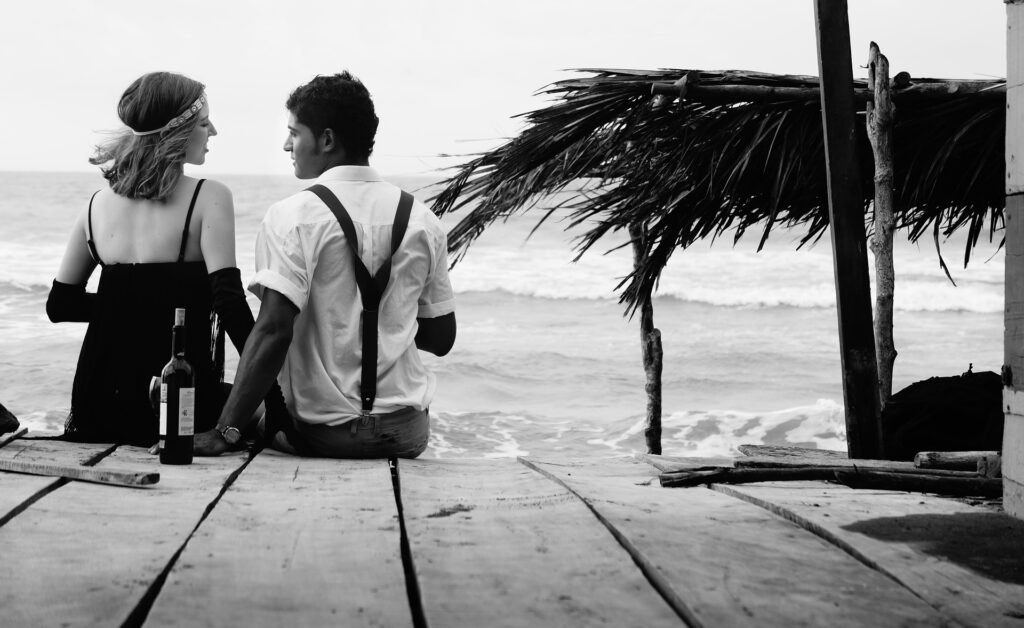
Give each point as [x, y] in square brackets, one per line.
[229, 304]
[70, 303]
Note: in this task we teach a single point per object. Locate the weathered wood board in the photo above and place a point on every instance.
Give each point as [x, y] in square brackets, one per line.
[733, 564]
[85, 554]
[497, 544]
[293, 542]
[787, 451]
[673, 464]
[965, 561]
[17, 488]
[10, 436]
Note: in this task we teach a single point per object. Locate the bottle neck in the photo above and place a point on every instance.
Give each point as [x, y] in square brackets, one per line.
[178, 341]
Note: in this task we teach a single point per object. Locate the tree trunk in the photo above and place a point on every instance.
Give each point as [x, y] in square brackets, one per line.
[879, 127]
[650, 343]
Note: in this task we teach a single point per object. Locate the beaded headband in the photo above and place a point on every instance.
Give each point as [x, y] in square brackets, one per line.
[179, 119]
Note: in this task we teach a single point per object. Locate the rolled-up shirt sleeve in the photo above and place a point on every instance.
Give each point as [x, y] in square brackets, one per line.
[281, 263]
[437, 297]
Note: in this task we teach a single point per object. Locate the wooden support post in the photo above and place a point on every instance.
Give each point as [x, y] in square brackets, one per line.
[880, 113]
[650, 343]
[1013, 334]
[846, 215]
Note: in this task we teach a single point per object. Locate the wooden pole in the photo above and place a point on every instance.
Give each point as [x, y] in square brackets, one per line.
[1013, 334]
[650, 343]
[846, 215]
[880, 112]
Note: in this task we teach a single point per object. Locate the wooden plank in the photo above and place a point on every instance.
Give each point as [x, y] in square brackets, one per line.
[293, 542]
[733, 564]
[17, 491]
[1014, 97]
[787, 451]
[963, 560]
[118, 477]
[923, 483]
[101, 547]
[1013, 465]
[671, 464]
[18, 433]
[497, 544]
[1013, 214]
[846, 224]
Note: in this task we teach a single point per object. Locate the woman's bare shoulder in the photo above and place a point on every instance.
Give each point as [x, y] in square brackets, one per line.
[216, 189]
[212, 189]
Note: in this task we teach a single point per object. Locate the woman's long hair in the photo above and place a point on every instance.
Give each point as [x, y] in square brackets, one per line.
[149, 166]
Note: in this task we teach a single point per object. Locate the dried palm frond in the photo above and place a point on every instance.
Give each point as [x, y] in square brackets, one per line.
[725, 163]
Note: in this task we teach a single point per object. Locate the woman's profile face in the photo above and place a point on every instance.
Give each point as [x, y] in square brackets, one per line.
[195, 151]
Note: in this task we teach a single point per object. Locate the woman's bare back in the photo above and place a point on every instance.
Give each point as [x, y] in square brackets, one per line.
[140, 231]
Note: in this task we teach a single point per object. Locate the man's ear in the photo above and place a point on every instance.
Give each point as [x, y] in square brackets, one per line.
[328, 142]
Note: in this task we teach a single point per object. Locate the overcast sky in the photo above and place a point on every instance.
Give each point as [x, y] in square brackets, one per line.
[447, 76]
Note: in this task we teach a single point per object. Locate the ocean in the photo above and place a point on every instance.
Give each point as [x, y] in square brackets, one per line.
[546, 363]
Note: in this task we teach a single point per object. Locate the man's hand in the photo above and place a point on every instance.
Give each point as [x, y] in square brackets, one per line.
[209, 443]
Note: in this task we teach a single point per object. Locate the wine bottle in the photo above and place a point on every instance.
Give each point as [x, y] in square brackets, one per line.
[177, 400]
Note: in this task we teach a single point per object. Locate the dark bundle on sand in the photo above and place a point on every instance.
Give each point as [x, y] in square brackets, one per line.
[961, 413]
[8, 422]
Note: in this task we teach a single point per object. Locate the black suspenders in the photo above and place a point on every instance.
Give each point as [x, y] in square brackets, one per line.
[371, 288]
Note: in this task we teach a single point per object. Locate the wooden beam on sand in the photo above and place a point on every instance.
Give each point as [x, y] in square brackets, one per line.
[846, 216]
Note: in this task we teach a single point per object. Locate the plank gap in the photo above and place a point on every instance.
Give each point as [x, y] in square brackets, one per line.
[822, 533]
[412, 583]
[139, 614]
[51, 487]
[647, 568]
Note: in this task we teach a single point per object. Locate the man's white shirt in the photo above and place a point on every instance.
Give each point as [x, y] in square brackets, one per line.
[302, 253]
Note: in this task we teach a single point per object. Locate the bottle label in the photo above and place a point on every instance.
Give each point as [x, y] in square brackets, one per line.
[186, 411]
[163, 410]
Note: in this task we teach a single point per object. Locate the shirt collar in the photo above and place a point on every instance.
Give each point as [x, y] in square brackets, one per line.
[349, 173]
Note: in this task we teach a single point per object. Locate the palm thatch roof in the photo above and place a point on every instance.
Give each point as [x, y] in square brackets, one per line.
[737, 152]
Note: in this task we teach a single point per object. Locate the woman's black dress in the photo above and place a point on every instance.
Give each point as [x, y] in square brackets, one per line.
[129, 341]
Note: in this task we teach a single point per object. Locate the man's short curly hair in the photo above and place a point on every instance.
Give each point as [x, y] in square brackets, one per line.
[339, 102]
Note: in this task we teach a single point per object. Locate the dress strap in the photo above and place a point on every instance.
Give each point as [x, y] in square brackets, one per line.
[188, 219]
[88, 240]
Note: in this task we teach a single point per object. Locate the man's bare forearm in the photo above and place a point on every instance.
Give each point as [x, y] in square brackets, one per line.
[258, 367]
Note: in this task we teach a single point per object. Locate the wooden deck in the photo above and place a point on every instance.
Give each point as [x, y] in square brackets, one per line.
[284, 541]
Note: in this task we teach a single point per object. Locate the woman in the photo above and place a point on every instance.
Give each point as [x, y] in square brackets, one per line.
[163, 240]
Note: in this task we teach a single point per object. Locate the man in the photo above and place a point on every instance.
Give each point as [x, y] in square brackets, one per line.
[316, 320]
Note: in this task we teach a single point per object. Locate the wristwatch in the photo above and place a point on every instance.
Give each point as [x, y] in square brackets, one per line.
[230, 433]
